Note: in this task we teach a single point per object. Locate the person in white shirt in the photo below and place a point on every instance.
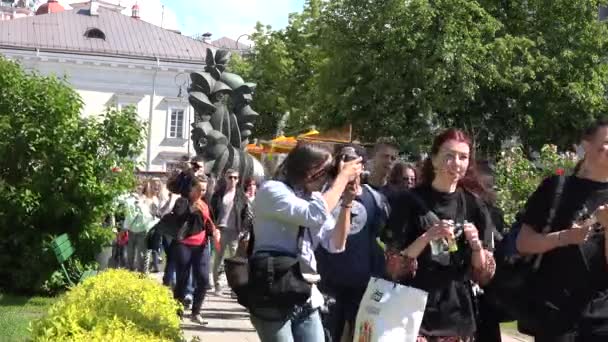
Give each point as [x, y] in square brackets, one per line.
[283, 206]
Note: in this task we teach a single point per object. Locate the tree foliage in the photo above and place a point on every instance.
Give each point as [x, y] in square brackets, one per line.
[284, 64]
[534, 69]
[58, 172]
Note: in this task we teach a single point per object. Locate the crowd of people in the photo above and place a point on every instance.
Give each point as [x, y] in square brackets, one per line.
[194, 228]
[327, 221]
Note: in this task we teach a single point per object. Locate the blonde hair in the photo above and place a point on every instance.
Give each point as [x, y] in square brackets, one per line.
[147, 188]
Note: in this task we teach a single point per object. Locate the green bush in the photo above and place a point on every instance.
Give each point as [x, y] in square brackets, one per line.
[116, 305]
[57, 173]
[517, 176]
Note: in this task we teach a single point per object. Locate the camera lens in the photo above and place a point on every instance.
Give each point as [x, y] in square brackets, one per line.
[348, 153]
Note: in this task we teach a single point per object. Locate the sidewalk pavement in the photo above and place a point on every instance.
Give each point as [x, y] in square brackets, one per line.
[515, 337]
[227, 322]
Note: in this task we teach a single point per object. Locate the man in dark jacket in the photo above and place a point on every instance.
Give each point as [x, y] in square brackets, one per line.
[229, 211]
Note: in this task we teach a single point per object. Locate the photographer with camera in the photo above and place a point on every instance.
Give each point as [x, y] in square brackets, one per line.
[292, 218]
[344, 276]
[434, 239]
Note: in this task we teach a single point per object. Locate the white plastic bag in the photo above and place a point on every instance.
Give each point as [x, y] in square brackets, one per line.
[389, 312]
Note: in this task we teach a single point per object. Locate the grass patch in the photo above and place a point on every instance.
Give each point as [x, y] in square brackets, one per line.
[512, 326]
[16, 312]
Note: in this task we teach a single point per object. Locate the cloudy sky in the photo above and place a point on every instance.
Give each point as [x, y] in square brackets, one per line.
[230, 18]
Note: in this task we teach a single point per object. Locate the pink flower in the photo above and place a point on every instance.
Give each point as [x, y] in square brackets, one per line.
[560, 171]
[116, 169]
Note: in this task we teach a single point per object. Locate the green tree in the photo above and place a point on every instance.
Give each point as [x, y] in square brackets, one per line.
[408, 68]
[555, 83]
[284, 64]
[59, 173]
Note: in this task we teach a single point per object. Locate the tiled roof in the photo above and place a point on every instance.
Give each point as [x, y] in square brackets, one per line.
[124, 36]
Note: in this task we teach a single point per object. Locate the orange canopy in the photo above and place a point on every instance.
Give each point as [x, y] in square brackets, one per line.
[283, 144]
[341, 135]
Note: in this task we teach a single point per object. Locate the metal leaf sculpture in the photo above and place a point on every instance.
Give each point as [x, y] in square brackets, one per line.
[224, 119]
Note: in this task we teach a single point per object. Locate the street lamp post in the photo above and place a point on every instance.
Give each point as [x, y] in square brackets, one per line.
[237, 41]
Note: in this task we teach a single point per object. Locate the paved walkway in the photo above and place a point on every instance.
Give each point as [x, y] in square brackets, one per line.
[227, 322]
[515, 337]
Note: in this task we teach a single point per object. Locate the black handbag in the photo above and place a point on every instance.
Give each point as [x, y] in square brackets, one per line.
[511, 291]
[271, 284]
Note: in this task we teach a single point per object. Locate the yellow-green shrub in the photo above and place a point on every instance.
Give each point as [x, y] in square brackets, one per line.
[115, 305]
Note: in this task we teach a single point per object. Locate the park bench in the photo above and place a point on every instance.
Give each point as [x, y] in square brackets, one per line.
[63, 250]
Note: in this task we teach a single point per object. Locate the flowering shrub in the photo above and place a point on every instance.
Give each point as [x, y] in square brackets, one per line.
[116, 305]
[517, 176]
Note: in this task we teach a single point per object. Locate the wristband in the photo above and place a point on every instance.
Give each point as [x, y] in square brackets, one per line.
[347, 206]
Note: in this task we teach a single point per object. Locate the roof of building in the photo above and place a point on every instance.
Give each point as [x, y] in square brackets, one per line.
[229, 44]
[124, 36]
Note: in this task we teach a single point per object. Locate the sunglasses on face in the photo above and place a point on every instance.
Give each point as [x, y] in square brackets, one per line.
[233, 177]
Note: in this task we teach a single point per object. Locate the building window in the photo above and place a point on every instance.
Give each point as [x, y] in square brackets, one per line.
[95, 33]
[176, 123]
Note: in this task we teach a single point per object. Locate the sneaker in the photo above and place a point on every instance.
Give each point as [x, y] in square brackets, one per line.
[199, 319]
[218, 292]
[188, 302]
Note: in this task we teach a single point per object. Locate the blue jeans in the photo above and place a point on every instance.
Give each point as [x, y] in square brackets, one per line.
[169, 278]
[300, 328]
[192, 261]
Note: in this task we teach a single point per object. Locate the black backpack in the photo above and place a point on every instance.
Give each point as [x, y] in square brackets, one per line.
[509, 291]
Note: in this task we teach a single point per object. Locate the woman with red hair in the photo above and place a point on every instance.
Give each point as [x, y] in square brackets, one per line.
[434, 239]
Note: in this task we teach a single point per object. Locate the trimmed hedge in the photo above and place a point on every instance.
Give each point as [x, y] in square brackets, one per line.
[116, 305]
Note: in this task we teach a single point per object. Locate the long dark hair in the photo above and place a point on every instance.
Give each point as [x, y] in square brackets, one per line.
[396, 175]
[470, 181]
[588, 135]
[303, 158]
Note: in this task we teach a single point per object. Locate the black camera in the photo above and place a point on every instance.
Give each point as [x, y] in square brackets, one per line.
[348, 153]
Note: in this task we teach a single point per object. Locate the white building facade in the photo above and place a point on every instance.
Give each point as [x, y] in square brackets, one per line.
[146, 67]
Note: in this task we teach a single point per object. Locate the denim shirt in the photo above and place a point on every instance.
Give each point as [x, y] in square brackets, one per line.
[279, 213]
